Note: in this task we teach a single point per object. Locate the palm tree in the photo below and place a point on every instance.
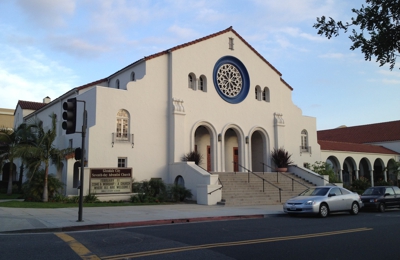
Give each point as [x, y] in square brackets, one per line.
[10, 140]
[42, 151]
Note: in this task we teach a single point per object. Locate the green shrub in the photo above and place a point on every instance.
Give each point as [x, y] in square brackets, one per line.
[193, 156]
[180, 193]
[73, 199]
[360, 185]
[33, 188]
[323, 168]
[149, 191]
[90, 198]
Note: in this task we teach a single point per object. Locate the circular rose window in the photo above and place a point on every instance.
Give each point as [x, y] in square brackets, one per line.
[231, 79]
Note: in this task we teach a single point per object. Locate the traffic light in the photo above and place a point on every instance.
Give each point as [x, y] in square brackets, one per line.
[69, 115]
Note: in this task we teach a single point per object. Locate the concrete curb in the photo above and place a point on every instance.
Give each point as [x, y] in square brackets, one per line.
[136, 224]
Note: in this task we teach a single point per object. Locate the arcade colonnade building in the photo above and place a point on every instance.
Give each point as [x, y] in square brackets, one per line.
[365, 151]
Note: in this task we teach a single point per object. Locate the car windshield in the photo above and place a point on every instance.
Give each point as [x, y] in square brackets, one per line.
[373, 191]
[315, 192]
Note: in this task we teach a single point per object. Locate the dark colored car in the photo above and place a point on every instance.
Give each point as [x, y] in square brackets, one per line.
[381, 197]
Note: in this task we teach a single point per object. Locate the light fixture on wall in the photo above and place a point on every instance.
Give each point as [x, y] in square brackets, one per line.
[133, 143]
[219, 137]
[247, 139]
[112, 140]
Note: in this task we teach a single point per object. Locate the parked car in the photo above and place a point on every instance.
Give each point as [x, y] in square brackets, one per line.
[381, 197]
[323, 200]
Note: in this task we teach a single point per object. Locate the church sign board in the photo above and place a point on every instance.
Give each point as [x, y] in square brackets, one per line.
[110, 180]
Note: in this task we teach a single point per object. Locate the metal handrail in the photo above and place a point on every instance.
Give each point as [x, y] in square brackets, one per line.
[219, 181]
[293, 180]
[264, 180]
[316, 175]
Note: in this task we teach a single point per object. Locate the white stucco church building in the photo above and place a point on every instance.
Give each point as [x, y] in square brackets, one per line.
[216, 95]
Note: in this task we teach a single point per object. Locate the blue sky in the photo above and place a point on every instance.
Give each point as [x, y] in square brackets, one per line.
[49, 47]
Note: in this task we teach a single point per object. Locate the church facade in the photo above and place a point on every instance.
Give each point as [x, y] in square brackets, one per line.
[216, 95]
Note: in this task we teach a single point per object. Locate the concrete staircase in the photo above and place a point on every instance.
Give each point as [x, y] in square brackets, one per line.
[241, 188]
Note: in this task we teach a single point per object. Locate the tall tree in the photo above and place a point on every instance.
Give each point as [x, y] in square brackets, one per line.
[10, 141]
[378, 33]
[42, 151]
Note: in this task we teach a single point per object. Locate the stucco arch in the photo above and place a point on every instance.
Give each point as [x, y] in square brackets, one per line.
[379, 170]
[335, 164]
[365, 169]
[213, 142]
[350, 169]
[265, 158]
[226, 164]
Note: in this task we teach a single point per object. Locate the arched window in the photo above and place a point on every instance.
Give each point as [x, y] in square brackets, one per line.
[132, 76]
[258, 93]
[122, 125]
[117, 84]
[202, 83]
[265, 94]
[304, 141]
[192, 81]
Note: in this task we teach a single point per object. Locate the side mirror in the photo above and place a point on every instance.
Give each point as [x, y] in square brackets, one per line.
[331, 195]
[386, 194]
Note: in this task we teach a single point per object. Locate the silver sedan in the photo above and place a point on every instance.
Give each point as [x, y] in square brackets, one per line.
[323, 200]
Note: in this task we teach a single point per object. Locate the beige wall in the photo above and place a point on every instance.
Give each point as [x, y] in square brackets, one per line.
[6, 118]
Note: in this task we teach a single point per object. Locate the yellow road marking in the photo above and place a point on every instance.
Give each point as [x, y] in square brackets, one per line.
[80, 249]
[237, 243]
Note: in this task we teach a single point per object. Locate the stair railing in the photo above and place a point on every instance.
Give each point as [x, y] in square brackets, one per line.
[264, 180]
[219, 181]
[277, 173]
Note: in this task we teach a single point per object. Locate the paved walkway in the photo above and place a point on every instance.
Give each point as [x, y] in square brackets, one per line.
[65, 219]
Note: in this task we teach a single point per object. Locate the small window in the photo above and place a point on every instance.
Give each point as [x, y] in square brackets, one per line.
[122, 162]
[230, 43]
[132, 76]
[192, 81]
[258, 93]
[117, 84]
[265, 94]
[202, 83]
[304, 141]
[122, 125]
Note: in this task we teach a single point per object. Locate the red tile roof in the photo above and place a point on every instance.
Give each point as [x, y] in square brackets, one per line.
[352, 147]
[30, 105]
[212, 36]
[381, 132]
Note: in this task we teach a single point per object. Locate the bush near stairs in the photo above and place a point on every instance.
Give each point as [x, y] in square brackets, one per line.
[240, 188]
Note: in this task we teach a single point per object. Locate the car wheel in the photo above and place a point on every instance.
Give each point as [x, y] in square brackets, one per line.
[354, 208]
[381, 207]
[323, 210]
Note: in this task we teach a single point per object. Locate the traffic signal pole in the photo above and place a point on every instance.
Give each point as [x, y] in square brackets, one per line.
[69, 115]
[84, 124]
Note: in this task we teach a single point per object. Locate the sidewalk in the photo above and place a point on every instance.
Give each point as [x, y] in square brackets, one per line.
[21, 220]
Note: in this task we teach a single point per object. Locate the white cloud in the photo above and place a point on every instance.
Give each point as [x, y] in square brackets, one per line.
[27, 74]
[183, 33]
[78, 47]
[47, 13]
[332, 55]
[391, 81]
[296, 11]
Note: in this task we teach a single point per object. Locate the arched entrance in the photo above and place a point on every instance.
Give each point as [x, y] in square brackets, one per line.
[6, 172]
[365, 169]
[202, 140]
[334, 164]
[259, 151]
[232, 151]
[379, 175]
[349, 171]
